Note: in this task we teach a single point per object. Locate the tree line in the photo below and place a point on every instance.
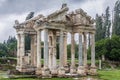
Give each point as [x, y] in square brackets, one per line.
[108, 34]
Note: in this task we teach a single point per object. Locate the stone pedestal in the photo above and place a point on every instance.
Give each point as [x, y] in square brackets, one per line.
[39, 71]
[73, 70]
[61, 72]
[54, 71]
[66, 69]
[46, 73]
[81, 71]
[93, 71]
[25, 68]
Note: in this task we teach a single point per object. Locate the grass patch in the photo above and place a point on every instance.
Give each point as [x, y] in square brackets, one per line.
[109, 74]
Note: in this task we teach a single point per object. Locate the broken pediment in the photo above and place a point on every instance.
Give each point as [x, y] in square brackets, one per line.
[79, 17]
[59, 15]
[60, 19]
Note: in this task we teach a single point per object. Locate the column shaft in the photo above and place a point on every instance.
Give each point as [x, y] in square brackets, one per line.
[18, 49]
[85, 49]
[54, 51]
[80, 50]
[61, 49]
[72, 50]
[50, 51]
[22, 48]
[32, 50]
[38, 49]
[35, 50]
[92, 50]
[65, 49]
[46, 54]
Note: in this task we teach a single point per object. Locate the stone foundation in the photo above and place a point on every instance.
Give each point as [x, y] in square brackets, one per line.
[61, 72]
[25, 69]
[46, 73]
[93, 71]
[39, 71]
[73, 70]
[81, 71]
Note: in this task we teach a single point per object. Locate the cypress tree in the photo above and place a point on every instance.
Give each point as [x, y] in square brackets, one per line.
[116, 22]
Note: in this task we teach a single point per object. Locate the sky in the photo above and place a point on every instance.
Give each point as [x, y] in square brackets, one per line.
[10, 10]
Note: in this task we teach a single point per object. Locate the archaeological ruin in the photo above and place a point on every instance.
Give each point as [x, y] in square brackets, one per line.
[55, 28]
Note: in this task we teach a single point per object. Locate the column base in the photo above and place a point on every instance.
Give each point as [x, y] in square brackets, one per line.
[66, 69]
[61, 72]
[93, 71]
[46, 73]
[38, 71]
[54, 71]
[25, 68]
[73, 70]
[81, 71]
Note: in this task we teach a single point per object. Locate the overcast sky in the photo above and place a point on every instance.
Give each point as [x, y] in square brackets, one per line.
[11, 10]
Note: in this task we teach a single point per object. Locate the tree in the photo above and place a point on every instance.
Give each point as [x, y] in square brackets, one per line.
[107, 22]
[109, 47]
[99, 28]
[116, 22]
[8, 48]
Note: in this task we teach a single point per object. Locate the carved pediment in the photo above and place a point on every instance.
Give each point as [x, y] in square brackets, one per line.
[59, 15]
[79, 17]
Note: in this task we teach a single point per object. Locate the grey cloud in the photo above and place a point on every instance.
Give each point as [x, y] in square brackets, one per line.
[20, 6]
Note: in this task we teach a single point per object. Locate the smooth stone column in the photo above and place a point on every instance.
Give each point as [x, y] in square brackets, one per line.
[50, 52]
[46, 54]
[38, 72]
[72, 68]
[22, 44]
[100, 64]
[35, 50]
[81, 70]
[61, 49]
[92, 50]
[85, 50]
[18, 52]
[61, 71]
[65, 49]
[85, 53]
[22, 51]
[80, 51]
[54, 65]
[93, 67]
[54, 51]
[32, 50]
[18, 49]
[46, 71]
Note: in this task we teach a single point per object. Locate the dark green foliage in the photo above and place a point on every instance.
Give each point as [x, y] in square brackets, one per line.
[100, 48]
[57, 45]
[116, 22]
[69, 50]
[103, 24]
[99, 28]
[109, 47]
[107, 22]
[3, 50]
[27, 42]
[9, 47]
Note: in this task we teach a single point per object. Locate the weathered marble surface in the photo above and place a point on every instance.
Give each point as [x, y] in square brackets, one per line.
[55, 27]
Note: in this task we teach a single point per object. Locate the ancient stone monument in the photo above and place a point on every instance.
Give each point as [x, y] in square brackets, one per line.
[55, 27]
